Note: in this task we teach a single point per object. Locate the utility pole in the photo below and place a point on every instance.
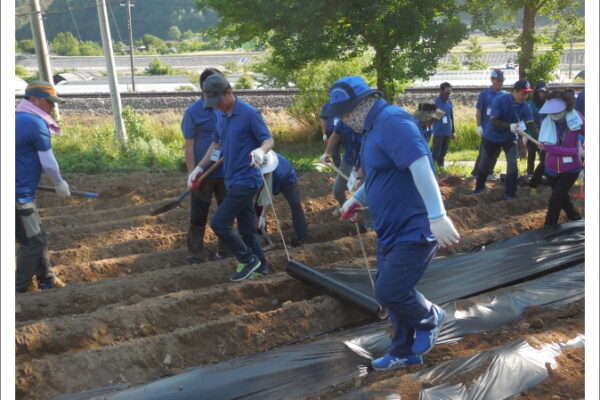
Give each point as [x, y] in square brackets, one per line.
[41, 46]
[115, 97]
[129, 5]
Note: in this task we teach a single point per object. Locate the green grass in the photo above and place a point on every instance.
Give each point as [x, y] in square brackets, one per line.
[87, 144]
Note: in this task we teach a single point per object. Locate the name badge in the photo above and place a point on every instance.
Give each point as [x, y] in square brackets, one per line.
[522, 126]
[489, 111]
[567, 159]
[445, 120]
[352, 180]
[216, 153]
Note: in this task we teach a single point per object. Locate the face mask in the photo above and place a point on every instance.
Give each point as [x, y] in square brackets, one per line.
[558, 116]
[355, 119]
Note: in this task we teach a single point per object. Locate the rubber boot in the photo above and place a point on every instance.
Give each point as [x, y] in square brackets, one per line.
[195, 244]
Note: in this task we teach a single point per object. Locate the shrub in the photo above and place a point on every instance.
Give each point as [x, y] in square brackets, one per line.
[65, 44]
[90, 48]
[245, 82]
[158, 67]
[26, 46]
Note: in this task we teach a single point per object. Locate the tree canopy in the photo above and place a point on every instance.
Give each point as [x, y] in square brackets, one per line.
[533, 65]
[406, 37]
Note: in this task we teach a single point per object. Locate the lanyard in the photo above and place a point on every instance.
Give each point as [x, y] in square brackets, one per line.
[518, 117]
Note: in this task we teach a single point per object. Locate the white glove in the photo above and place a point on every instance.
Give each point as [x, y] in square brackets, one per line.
[262, 222]
[62, 189]
[325, 138]
[193, 175]
[325, 158]
[349, 209]
[444, 231]
[258, 156]
[480, 131]
[513, 128]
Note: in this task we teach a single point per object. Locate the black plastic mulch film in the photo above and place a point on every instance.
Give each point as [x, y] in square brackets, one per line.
[537, 268]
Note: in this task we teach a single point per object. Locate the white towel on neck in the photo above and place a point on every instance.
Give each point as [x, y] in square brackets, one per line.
[548, 133]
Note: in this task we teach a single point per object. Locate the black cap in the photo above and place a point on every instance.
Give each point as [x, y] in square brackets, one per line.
[523, 85]
[498, 75]
[541, 85]
[213, 88]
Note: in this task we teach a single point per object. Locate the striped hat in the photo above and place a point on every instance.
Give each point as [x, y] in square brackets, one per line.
[44, 90]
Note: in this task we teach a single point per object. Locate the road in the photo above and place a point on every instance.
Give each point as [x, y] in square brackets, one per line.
[201, 61]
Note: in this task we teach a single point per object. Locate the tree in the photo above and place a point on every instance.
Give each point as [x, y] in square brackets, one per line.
[474, 57]
[153, 43]
[90, 48]
[405, 38]
[174, 33]
[453, 64]
[488, 13]
[158, 67]
[65, 44]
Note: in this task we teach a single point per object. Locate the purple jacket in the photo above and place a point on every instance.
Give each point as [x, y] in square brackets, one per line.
[563, 157]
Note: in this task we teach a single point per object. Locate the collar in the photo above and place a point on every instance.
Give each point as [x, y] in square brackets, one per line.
[372, 115]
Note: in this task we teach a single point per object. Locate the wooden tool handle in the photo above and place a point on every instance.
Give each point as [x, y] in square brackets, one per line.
[212, 169]
[528, 137]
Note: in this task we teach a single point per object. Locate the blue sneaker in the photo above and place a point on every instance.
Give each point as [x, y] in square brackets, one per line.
[388, 362]
[478, 191]
[425, 340]
[260, 272]
[243, 271]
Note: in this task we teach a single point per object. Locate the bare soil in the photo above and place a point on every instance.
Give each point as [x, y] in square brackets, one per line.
[132, 310]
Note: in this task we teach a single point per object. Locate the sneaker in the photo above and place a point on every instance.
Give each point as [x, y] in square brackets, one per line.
[243, 271]
[478, 191]
[55, 285]
[264, 270]
[442, 184]
[425, 340]
[336, 213]
[221, 254]
[492, 177]
[509, 198]
[388, 362]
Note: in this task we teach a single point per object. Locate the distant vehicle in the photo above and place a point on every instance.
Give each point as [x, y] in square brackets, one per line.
[511, 65]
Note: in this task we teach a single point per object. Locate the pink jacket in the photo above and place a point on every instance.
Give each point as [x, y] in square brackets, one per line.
[563, 157]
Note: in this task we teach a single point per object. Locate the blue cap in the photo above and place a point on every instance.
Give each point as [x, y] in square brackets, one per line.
[345, 94]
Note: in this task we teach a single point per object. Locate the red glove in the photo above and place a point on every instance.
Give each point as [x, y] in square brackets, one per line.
[196, 182]
[351, 212]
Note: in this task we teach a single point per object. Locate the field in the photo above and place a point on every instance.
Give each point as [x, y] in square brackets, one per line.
[132, 311]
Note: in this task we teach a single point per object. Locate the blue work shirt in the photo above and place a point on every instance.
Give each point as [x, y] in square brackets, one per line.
[238, 134]
[392, 143]
[331, 121]
[580, 103]
[484, 104]
[444, 126]
[31, 135]
[352, 142]
[199, 124]
[506, 110]
[283, 175]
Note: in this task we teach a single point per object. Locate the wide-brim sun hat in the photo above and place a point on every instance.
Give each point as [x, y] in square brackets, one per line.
[345, 94]
[426, 116]
[270, 162]
[553, 106]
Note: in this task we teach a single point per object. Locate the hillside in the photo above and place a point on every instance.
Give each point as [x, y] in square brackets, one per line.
[81, 18]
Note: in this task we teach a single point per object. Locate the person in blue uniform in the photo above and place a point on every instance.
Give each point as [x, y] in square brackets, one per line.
[327, 128]
[284, 181]
[33, 154]
[482, 116]
[443, 129]
[242, 139]
[408, 212]
[509, 113]
[198, 127]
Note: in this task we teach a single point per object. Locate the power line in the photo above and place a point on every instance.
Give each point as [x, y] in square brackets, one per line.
[115, 22]
[74, 22]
